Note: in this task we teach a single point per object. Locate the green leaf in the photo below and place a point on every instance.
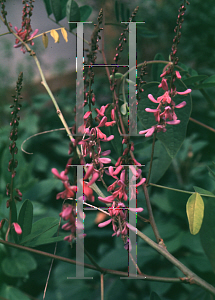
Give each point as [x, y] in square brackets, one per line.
[115, 259]
[14, 219]
[211, 173]
[209, 82]
[117, 10]
[195, 212]
[63, 8]
[157, 69]
[72, 13]
[12, 293]
[194, 79]
[42, 230]
[13, 211]
[116, 75]
[85, 12]
[56, 9]
[122, 12]
[25, 218]
[117, 290]
[48, 7]
[42, 189]
[161, 162]
[154, 296]
[207, 232]
[143, 31]
[19, 265]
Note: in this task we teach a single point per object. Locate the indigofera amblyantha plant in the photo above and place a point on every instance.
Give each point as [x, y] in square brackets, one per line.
[104, 170]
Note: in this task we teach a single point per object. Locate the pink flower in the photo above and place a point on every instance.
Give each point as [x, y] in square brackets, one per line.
[17, 228]
[185, 92]
[178, 75]
[163, 84]
[148, 132]
[180, 105]
[61, 176]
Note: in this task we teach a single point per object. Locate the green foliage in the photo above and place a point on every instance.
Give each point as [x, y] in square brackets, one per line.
[12, 293]
[208, 226]
[72, 13]
[18, 265]
[56, 9]
[42, 233]
[25, 218]
[154, 296]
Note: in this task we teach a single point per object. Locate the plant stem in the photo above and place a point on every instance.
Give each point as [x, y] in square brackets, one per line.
[151, 216]
[192, 277]
[104, 270]
[202, 124]
[102, 286]
[152, 155]
[149, 208]
[177, 190]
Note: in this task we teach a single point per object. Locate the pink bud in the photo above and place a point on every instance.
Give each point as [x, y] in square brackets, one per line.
[103, 121]
[180, 105]
[178, 75]
[87, 114]
[174, 122]
[89, 172]
[185, 92]
[17, 228]
[107, 152]
[152, 98]
[103, 224]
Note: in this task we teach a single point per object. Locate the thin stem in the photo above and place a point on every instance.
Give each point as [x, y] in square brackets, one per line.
[192, 277]
[102, 286]
[5, 33]
[96, 208]
[108, 271]
[60, 115]
[149, 208]
[177, 190]
[151, 160]
[151, 216]
[55, 250]
[93, 261]
[135, 264]
[202, 124]
[36, 36]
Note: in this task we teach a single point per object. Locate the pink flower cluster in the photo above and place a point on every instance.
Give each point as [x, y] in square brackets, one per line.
[95, 134]
[25, 36]
[69, 214]
[166, 107]
[70, 190]
[119, 194]
[25, 33]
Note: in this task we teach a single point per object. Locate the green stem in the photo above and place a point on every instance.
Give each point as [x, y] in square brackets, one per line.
[152, 155]
[177, 190]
